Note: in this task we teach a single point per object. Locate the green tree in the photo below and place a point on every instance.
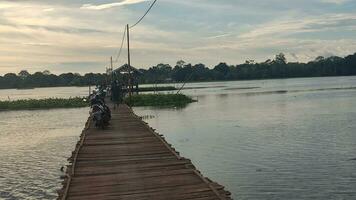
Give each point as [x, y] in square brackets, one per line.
[280, 59]
[24, 74]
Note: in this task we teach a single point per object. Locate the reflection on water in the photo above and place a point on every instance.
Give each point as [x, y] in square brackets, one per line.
[241, 88]
[294, 91]
[279, 145]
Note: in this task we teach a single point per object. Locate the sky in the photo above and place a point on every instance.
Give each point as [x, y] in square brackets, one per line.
[81, 35]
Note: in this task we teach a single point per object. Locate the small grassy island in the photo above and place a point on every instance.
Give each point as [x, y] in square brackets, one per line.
[34, 104]
[158, 100]
[161, 88]
[137, 100]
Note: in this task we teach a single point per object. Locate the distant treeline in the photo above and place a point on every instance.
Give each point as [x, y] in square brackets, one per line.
[45, 79]
[276, 68]
[270, 69]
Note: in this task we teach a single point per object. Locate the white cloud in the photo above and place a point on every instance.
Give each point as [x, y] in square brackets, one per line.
[219, 36]
[335, 1]
[49, 33]
[111, 5]
[48, 9]
[301, 25]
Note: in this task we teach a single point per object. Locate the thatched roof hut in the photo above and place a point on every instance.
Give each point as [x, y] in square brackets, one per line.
[126, 69]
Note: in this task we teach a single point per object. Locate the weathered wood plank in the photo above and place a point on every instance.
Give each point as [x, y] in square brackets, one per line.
[131, 162]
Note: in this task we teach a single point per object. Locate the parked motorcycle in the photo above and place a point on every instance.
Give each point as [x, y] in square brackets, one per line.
[100, 111]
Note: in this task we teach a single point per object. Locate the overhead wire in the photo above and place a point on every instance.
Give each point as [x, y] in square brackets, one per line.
[148, 10]
[122, 44]
[124, 34]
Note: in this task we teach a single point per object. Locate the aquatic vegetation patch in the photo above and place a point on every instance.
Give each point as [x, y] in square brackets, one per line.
[32, 104]
[159, 100]
[152, 89]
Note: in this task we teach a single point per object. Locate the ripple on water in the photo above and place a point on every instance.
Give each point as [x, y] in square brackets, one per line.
[283, 147]
[31, 153]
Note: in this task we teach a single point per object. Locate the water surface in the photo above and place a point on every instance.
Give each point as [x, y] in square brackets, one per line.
[34, 145]
[267, 139]
[41, 93]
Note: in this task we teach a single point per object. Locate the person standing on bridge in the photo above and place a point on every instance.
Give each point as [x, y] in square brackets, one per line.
[114, 91]
[120, 93]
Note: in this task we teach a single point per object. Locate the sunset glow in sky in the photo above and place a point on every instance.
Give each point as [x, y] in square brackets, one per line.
[81, 35]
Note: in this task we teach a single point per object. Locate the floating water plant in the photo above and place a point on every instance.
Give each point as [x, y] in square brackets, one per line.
[159, 100]
[29, 104]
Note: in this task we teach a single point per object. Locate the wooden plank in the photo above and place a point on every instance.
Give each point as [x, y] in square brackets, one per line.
[128, 161]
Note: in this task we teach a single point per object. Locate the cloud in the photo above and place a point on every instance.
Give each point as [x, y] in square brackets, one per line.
[65, 35]
[48, 9]
[219, 36]
[303, 25]
[335, 1]
[110, 5]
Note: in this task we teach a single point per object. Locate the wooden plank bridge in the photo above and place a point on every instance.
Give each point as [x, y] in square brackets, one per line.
[130, 161]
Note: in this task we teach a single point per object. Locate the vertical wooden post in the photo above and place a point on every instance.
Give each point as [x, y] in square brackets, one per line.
[111, 69]
[107, 78]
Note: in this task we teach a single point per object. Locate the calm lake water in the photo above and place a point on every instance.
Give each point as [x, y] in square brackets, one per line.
[268, 139]
[40, 93]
